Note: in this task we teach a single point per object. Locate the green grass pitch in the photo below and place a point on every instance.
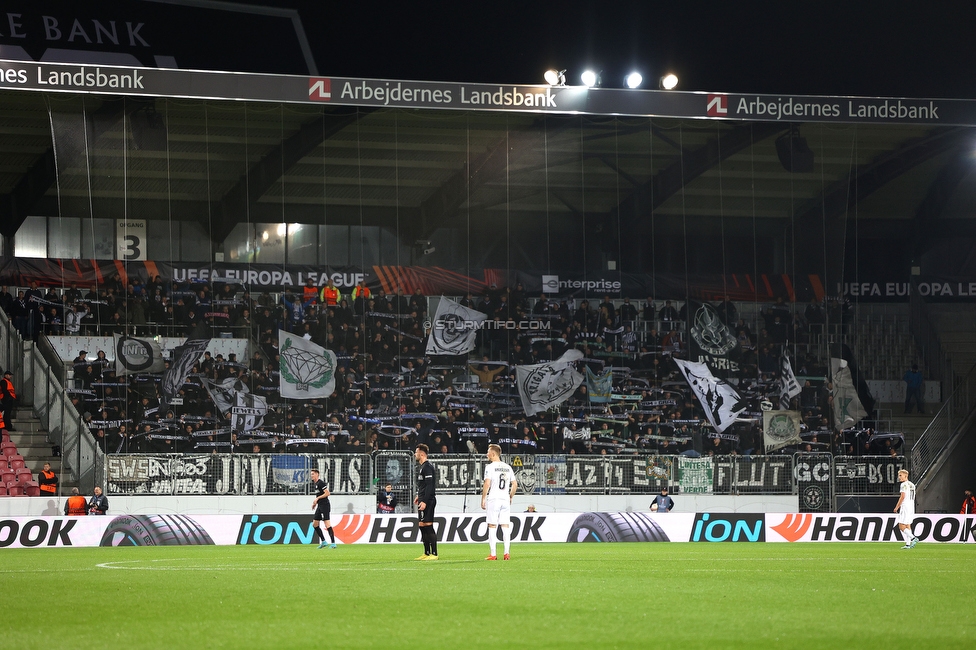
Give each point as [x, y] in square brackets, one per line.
[640, 595]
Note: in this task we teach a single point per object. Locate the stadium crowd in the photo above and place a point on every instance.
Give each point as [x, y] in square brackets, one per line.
[391, 395]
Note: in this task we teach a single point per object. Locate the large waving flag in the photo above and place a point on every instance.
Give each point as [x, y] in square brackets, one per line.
[454, 328]
[184, 358]
[847, 406]
[789, 386]
[544, 385]
[599, 387]
[722, 404]
[307, 369]
[136, 355]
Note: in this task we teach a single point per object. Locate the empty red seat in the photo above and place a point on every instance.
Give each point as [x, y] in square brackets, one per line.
[16, 462]
[15, 489]
[3, 490]
[24, 475]
[32, 489]
[4, 464]
[7, 477]
[8, 449]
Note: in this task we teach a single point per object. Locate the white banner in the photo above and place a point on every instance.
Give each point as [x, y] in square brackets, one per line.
[789, 386]
[307, 369]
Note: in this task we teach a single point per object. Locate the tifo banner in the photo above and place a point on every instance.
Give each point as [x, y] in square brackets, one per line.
[694, 475]
[231, 474]
[461, 528]
[781, 428]
[307, 369]
[137, 355]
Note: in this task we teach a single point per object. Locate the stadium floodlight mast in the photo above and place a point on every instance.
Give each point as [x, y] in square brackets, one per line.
[669, 81]
[634, 80]
[590, 78]
[555, 77]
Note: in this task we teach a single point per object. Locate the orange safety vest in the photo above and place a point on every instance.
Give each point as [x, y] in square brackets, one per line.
[330, 295]
[310, 293]
[366, 294]
[9, 386]
[51, 487]
[77, 506]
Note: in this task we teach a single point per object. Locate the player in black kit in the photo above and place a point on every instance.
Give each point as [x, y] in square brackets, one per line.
[322, 510]
[426, 502]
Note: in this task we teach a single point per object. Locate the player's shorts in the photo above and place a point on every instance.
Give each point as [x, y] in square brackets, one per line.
[322, 512]
[427, 514]
[499, 512]
[905, 516]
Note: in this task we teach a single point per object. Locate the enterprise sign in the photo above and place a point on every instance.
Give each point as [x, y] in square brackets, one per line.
[233, 86]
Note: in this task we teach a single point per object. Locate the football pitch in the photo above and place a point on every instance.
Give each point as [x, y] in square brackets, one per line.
[637, 595]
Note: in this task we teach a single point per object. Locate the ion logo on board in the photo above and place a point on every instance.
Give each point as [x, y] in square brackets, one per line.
[718, 106]
[728, 528]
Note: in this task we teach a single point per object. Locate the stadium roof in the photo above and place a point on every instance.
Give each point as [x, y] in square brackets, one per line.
[264, 147]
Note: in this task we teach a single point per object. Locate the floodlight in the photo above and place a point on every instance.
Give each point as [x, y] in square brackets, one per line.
[589, 78]
[555, 77]
[634, 80]
[669, 81]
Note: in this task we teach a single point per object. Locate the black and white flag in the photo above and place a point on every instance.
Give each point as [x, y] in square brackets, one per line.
[789, 386]
[248, 411]
[544, 385]
[224, 394]
[722, 404]
[184, 358]
[454, 328]
[136, 355]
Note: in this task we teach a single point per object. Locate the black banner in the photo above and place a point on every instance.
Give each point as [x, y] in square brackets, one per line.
[151, 82]
[867, 475]
[459, 474]
[585, 475]
[812, 475]
[753, 475]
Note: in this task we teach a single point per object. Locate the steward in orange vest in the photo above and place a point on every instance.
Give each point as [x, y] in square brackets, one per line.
[331, 294]
[47, 480]
[76, 504]
[361, 291]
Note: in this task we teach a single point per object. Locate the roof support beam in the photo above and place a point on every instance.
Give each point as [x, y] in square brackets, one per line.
[241, 199]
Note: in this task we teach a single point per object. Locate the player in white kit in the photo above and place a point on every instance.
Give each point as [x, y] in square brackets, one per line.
[496, 498]
[906, 509]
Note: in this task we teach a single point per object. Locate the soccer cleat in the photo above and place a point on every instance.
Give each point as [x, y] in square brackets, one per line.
[505, 557]
[422, 557]
[913, 542]
[332, 545]
[323, 545]
[907, 546]
[492, 557]
[430, 557]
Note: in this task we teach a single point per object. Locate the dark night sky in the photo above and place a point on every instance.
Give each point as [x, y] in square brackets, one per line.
[854, 47]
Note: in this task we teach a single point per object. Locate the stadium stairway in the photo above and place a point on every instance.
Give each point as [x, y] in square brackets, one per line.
[33, 444]
[891, 417]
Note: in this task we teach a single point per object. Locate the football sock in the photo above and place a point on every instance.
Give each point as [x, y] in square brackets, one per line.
[426, 540]
[507, 537]
[492, 541]
[331, 534]
[433, 540]
[318, 533]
